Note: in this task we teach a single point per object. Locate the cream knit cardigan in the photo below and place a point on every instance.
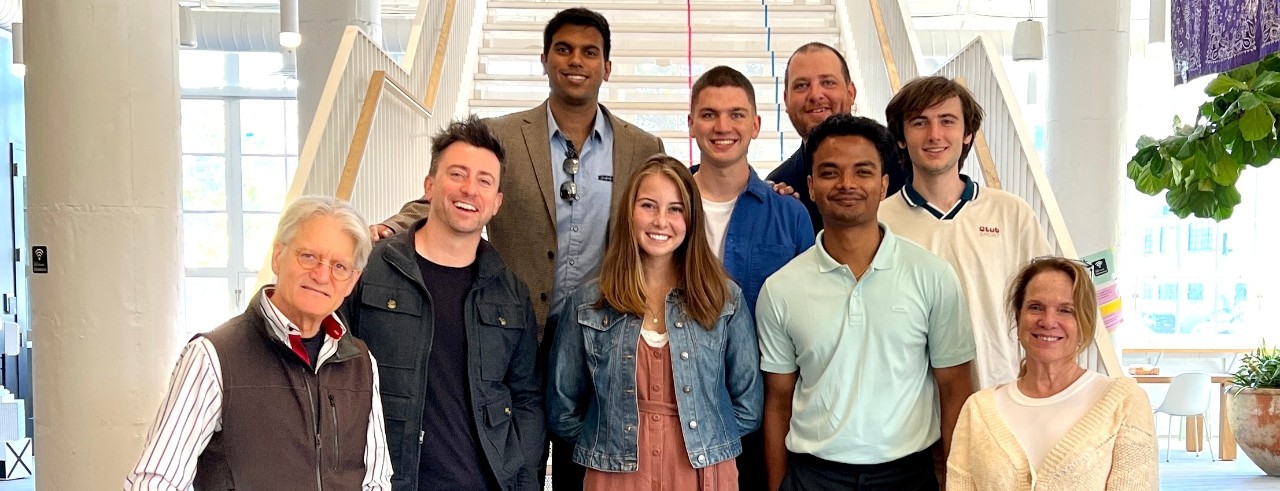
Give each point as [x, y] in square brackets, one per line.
[1112, 447]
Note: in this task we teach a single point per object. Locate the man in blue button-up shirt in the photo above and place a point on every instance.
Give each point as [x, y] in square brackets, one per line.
[754, 230]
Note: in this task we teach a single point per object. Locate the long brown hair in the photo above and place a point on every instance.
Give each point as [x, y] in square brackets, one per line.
[701, 275]
[1083, 296]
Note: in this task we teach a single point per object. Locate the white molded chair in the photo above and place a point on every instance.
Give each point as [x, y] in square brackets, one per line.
[1189, 395]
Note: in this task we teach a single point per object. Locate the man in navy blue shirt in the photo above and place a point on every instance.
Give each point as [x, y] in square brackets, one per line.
[817, 86]
[750, 227]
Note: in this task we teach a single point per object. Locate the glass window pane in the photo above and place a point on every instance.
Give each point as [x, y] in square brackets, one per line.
[205, 241]
[206, 303]
[291, 126]
[204, 183]
[265, 183]
[204, 126]
[259, 228]
[261, 70]
[202, 69]
[262, 127]
[250, 286]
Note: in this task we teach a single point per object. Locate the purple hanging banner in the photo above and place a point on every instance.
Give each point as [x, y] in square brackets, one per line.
[1214, 36]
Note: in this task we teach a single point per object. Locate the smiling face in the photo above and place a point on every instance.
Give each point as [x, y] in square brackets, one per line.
[847, 182]
[816, 89]
[575, 65]
[1047, 325]
[936, 137]
[658, 217]
[464, 189]
[307, 296]
[723, 123]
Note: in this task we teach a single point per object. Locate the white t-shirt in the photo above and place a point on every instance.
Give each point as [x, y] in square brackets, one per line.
[717, 223]
[1040, 423]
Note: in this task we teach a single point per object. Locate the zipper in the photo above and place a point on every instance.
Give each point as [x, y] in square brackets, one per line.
[421, 435]
[315, 426]
[333, 411]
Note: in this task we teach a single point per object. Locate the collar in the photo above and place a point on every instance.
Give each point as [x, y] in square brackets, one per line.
[886, 254]
[285, 331]
[601, 131]
[914, 199]
[400, 251]
[756, 187]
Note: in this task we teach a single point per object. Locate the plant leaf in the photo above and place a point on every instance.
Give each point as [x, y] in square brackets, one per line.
[1257, 123]
[1226, 171]
[1222, 84]
[1249, 101]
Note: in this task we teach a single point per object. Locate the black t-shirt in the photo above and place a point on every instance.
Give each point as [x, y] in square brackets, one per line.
[450, 452]
[313, 345]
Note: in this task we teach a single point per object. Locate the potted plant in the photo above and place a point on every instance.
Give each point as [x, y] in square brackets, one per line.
[1253, 408]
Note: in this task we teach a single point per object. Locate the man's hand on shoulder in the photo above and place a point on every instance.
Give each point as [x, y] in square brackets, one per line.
[379, 231]
[784, 189]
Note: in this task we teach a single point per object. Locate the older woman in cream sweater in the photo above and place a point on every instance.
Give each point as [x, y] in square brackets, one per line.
[1058, 426]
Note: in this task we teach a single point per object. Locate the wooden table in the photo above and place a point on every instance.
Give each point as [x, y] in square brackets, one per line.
[1226, 439]
[1160, 352]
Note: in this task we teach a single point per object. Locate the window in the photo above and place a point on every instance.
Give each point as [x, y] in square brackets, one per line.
[1199, 237]
[239, 151]
[1195, 292]
[1148, 242]
[1201, 298]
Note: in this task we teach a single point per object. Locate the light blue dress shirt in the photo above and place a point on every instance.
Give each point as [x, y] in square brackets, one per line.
[582, 225]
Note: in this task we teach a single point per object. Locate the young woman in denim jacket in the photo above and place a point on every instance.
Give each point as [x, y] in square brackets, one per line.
[654, 373]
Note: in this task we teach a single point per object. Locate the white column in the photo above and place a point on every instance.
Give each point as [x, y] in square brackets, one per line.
[1088, 54]
[321, 23]
[104, 181]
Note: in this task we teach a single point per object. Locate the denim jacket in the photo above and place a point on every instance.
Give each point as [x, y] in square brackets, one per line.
[591, 389]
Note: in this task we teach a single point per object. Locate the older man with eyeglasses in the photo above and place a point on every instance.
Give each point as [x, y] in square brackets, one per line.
[281, 396]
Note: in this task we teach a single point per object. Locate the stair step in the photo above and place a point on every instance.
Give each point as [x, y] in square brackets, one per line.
[637, 16]
[624, 52]
[775, 6]
[538, 27]
[677, 40]
[536, 91]
[648, 80]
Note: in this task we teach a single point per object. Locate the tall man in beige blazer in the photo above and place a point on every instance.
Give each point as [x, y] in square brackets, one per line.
[563, 158]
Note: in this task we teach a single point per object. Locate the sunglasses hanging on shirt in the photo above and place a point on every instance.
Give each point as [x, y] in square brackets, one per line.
[571, 165]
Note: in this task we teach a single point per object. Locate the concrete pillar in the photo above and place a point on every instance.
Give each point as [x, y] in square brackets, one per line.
[103, 196]
[321, 23]
[1088, 54]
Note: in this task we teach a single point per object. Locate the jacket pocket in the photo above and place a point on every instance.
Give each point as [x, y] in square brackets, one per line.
[599, 334]
[391, 324]
[501, 326]
[497, 419]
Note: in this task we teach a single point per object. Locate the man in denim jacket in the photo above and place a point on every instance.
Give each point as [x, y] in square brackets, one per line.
[454, 334]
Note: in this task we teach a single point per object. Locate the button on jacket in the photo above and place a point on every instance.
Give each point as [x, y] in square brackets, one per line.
[591, 393]
[391, 311]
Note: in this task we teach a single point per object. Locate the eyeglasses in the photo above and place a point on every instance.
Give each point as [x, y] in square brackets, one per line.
[309, 260]
[1091, 268]
[571, 165]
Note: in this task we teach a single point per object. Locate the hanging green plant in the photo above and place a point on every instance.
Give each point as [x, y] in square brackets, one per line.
[1197, 167]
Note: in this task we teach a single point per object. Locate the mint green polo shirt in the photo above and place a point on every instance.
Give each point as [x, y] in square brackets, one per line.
[864, 349]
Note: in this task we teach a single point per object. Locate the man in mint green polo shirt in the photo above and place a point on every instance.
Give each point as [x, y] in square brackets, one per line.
[865, 338]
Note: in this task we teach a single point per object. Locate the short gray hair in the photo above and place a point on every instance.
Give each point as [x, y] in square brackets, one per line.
[307, 207]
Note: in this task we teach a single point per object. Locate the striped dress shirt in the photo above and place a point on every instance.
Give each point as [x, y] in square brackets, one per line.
[192, 411]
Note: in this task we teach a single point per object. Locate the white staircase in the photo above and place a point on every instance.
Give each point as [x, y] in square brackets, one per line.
[649, 84]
